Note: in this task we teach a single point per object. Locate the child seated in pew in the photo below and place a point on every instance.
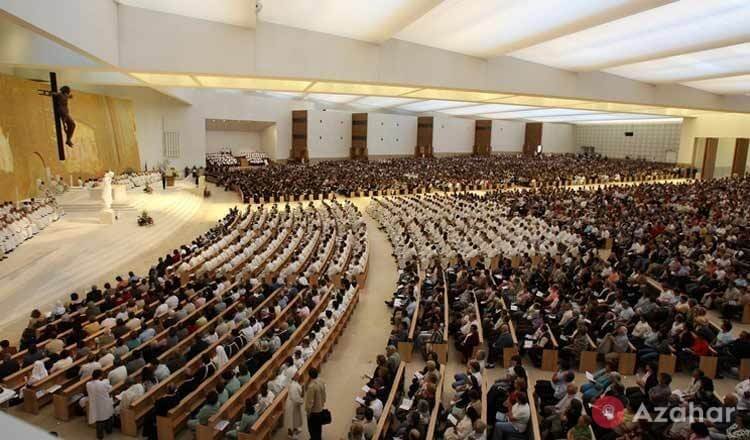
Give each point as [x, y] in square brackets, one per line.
[265, 398]
[658, 343]
[535, 343]
[133, 391]
[249, 417]
[562, 420]
[604, 380]
[209, 408]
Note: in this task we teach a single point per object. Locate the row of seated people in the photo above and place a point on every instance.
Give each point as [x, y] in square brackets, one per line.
[79, 317]
[421, 413]
[19, 222]
[334, 246]
[136, 180]
[219, 160]
[103, 327]
[582, 240]
[132, 180]
[286, 374]
[190, 325]
[560, 402]
[565, 284]
[448, 173]
[193, 401]
[315, 337]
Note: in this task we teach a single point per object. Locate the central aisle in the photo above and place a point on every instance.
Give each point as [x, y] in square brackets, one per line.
[364, 338]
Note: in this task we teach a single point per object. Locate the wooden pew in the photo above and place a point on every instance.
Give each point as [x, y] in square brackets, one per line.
[534, 422]
[626, 361]
[63, 404]
[263, 428]
[550, 356]
[442, 349]
[588, 361]
[132, 416]
[169, 425]
[509, 352]
[485, 407]
[405, 348]
[480, 346]
[39, 394]
[432, 426]
[232, 408]
[389, 408]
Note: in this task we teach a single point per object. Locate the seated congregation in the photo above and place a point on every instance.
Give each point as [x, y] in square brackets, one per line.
[212, 339]
[20, 222]
[406, 175]
[610, 282]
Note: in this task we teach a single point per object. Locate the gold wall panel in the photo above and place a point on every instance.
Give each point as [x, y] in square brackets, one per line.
[105, 137]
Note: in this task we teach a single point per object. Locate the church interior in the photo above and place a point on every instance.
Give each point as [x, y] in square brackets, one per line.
[371, 220]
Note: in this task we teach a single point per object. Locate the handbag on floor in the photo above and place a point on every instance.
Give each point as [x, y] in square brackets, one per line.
[325, 417]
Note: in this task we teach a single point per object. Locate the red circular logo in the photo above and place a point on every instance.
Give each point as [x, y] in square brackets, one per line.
[607, 412]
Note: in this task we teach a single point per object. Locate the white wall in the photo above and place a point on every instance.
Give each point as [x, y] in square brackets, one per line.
[239, 142]
[329, 134]
[155, 113]
[724, 157]
[391, 135]
[268, 141]
[507, 136]
[155, 41]
[85, 24]
[452, 135]
[711, 125]
[649, 141]
[558, 138]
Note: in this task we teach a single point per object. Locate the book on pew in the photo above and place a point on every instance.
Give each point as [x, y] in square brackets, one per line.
[221, 424]
[406, 404]
[514, 307]
[53, 388]
[360, 400]
[40, 393]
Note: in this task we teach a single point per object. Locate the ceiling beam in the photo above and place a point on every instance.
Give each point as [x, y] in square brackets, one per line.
[410, 17]
[673, 53]
[103, 65]
[605, 17]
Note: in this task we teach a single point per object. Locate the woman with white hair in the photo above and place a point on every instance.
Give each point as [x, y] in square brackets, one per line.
[38, 372]
[221, 357]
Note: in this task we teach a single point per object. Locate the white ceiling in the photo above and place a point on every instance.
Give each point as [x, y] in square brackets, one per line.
[234, 12]
[655, 41]
[494, 27]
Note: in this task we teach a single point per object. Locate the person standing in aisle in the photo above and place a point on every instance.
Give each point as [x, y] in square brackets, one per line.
[315, 401]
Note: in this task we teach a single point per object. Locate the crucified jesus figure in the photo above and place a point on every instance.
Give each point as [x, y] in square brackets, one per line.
[60, 100]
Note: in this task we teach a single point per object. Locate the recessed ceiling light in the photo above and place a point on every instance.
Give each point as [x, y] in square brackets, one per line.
[164, 79]
[359, 89]
[228, 82]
